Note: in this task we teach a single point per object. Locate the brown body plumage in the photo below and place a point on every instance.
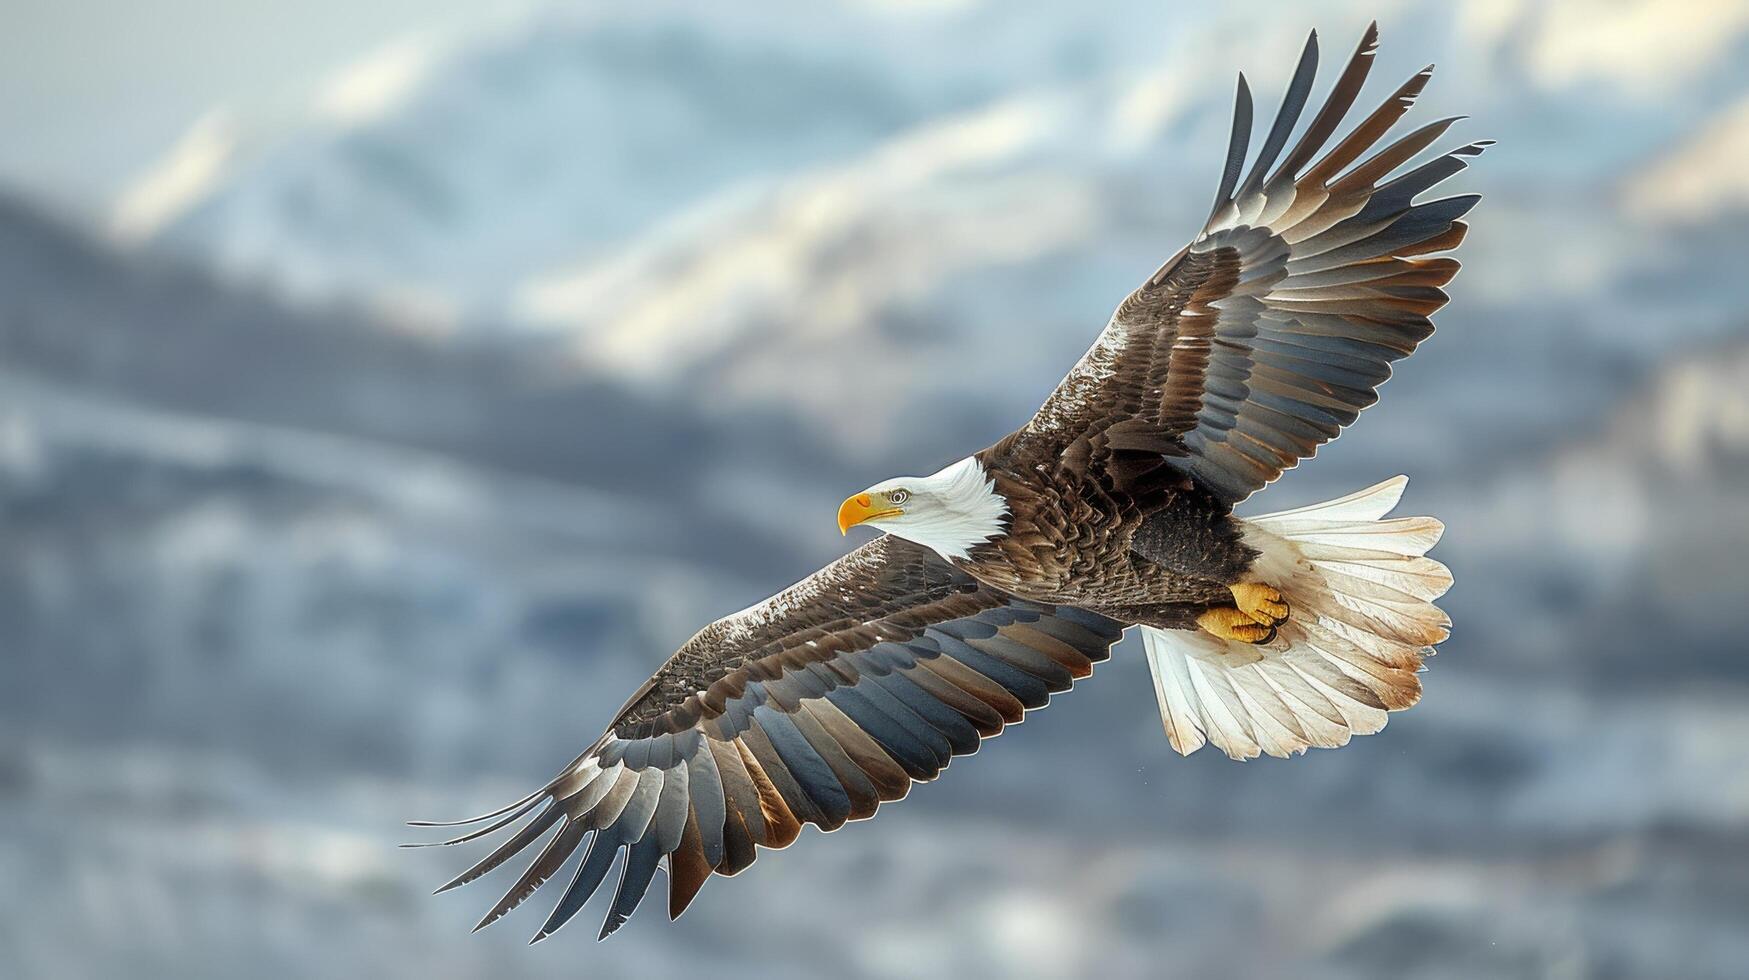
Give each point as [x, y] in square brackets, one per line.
[1158, 558]
[1111, 508]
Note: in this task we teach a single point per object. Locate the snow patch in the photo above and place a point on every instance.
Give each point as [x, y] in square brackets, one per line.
[186, 175]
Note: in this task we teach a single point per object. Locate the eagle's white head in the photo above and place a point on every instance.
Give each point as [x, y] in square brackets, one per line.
[949, 511]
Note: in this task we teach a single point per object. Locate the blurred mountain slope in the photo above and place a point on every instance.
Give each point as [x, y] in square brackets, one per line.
[735, 263]
[239, 673]
[444, 168]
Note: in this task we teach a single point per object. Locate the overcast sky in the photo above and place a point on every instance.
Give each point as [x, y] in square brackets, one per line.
[93, 91]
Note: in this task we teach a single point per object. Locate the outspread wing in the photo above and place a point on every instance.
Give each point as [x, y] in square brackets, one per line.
[1259, 341]
[814, 706]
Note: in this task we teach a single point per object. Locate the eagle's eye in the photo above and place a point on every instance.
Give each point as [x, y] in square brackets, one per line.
[899, 496]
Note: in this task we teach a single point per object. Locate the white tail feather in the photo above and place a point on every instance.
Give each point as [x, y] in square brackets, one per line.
[1361, 594]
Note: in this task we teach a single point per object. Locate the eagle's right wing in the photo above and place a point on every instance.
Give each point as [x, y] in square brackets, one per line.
[1259, 341]
[813, 706]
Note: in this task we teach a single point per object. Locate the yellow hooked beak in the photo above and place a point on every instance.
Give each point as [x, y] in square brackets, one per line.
[862, 508]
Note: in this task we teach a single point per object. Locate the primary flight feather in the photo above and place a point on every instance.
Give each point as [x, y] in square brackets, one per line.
[1006, 576]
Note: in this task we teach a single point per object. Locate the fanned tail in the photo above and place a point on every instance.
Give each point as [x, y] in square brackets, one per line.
[1361, 591]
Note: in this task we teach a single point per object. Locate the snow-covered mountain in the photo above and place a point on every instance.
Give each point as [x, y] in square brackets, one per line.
[446, 168]
[732, 213]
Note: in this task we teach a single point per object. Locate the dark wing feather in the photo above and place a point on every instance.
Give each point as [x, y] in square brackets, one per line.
[814, 706]
[1259, 341]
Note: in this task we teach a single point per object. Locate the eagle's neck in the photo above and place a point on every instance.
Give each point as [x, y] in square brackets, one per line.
[970, 511]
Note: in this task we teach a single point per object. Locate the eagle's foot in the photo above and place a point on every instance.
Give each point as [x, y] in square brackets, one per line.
[1231, 623]
[1263, 603]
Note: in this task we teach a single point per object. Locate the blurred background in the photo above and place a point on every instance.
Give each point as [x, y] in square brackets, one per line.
[385, 389]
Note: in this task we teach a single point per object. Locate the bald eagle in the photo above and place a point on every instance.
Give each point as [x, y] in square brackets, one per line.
[1004, 577]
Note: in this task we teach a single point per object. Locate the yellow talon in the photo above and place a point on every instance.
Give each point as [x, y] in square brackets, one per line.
[1263, 603]
[1229, 623]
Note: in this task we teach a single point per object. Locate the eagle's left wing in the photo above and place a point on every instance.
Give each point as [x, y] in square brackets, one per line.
[813, 706]
[1260, 340]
